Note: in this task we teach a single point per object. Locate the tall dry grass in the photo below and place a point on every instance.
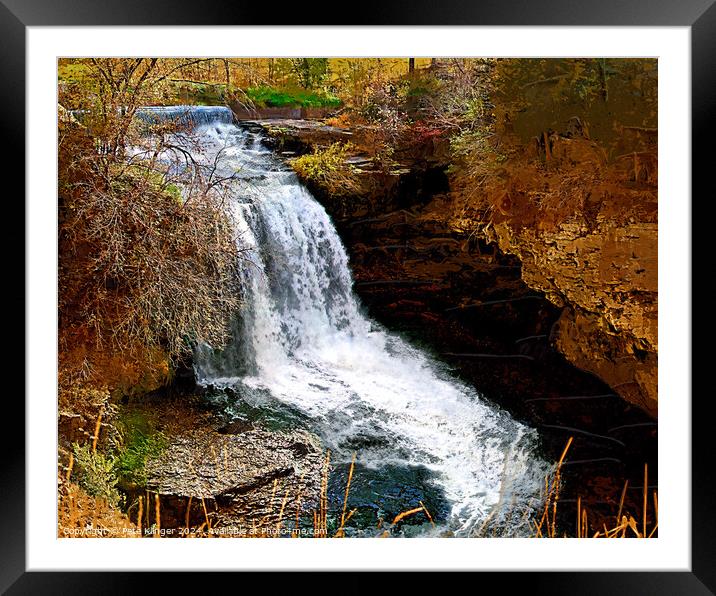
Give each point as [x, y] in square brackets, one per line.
[77, 509]
[625, 524]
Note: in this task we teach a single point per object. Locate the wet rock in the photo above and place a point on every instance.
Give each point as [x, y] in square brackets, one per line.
[236, 427]
[296, 136]
[236, 476]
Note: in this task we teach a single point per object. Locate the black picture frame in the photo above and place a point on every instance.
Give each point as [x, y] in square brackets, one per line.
[700, 15]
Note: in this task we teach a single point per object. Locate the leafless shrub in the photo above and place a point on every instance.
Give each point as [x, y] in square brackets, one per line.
[147, 252]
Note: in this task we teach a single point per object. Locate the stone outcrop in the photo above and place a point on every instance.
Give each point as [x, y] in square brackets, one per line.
[236, 477]
[244, 112]
[605, 280]
[585, 230]
[295, 136]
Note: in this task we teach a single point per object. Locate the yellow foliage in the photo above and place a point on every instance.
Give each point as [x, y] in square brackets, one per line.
[328, 170]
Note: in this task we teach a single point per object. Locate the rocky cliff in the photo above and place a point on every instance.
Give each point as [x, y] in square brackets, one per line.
[605, 281]
[585, 231]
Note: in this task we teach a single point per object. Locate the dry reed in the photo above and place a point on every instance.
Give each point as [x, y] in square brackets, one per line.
[340, 533]
[157, 516]
[625, 522]
[140, 512]
[187, 514]
[552, 490]
[206, 515]
[280, 513]
[320, 525]
[96, 430]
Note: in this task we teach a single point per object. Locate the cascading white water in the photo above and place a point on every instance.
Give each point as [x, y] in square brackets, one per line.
[302, 342]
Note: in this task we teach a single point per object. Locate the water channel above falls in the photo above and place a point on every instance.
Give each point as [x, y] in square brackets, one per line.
[304, 354]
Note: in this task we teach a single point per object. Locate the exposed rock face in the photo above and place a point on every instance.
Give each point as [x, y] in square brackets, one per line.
[243, 112]
[300, 136]
[474, 305]
[243, 476]
[585, 231]
[606, 280]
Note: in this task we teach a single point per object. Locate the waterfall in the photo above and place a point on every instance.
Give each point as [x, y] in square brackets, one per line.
[302, 343]
[193, 115]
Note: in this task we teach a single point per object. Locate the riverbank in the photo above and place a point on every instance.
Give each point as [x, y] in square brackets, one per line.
[205, 471]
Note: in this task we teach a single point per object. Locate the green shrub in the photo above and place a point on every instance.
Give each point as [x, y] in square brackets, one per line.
[96, 473]
[278, 98]
[140, 441]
